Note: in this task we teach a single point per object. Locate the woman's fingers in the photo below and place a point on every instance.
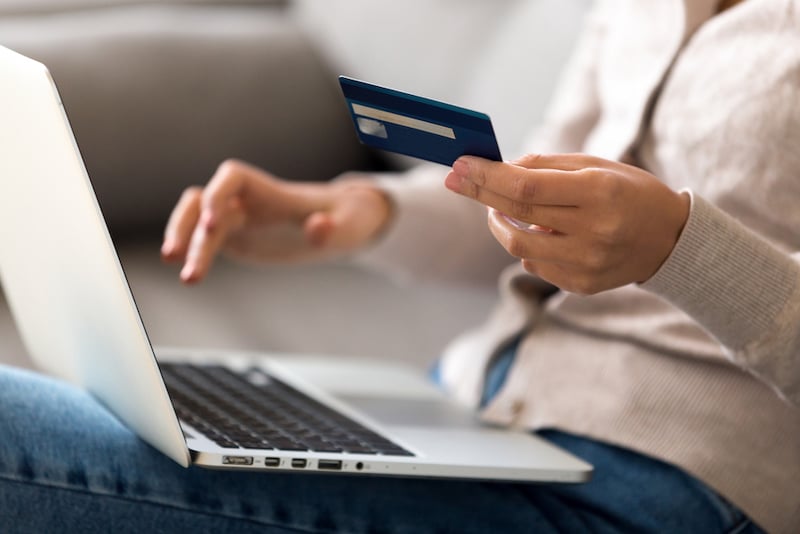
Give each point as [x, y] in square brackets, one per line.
[541, 187]
[562, 162]
[318, 228]
[229, 181]
[608, 224]
[539, 244]
[560, 218]
[356, 216]
[252, 215]
[181, 224]
[200, 206]
[559, 259]
[207, 241]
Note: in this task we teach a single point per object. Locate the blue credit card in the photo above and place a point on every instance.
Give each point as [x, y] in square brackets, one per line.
[417, 126]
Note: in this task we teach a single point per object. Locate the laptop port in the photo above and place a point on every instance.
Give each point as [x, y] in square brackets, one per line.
[237, 460]
[299, 463]
[272, 462]
[332, 465]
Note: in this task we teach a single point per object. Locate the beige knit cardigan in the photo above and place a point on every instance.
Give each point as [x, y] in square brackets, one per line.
[700, 365]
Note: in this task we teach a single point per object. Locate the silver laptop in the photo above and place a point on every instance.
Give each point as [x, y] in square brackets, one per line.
[76, 314]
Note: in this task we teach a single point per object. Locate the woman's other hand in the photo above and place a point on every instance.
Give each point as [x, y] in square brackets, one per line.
[582, 223]
[251, 215]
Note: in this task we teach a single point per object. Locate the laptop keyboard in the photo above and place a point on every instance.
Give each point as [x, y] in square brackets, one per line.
[257, 411]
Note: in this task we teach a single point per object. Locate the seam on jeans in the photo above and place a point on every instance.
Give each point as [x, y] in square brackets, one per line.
[583, 509]
[578, 512]
[155, 502]
[729, 513]
[746, 522]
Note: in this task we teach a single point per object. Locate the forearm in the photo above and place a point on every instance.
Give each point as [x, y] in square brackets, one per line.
[742, 289]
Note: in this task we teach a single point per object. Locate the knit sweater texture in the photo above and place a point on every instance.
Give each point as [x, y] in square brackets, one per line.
[700, 365]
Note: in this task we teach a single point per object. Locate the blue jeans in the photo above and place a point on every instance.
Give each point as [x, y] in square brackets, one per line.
[68, 465]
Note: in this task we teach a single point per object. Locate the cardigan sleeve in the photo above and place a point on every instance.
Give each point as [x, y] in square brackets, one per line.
[742, 290]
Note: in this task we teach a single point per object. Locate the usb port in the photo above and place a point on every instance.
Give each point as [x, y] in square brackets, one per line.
[333, 465]
[237, 460]
[272, 462]
[299, 463]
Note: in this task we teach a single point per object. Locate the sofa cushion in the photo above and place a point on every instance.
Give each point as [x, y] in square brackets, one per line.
[38, 7]
[158, 96]
[332, 309]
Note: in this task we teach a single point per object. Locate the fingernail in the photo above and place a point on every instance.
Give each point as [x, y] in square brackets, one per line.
[461, 167]
[168, 247]
[454, 181]
[188, 272]
[208, 221]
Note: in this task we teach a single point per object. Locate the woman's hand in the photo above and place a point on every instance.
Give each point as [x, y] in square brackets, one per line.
[252, 215]
[582, 223]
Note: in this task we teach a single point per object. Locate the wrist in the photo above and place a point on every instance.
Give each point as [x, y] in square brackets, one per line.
[674, 223]
[683, 205]
[377, 206]
[384, 208]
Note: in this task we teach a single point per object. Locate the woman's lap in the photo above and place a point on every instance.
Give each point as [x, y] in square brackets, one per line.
[65, 462]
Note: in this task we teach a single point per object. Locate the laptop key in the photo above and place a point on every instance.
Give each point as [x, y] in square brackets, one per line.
[360, 450]
[257, 411]
[226, 443]
[255, 444]
[296, 447]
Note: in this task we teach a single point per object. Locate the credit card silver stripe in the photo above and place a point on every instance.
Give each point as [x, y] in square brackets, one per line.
[402, 120]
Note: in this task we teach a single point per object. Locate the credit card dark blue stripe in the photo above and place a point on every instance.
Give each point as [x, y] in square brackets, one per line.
[417, 126]
[425, 109]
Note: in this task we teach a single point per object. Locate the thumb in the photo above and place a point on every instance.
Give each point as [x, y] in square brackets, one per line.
[356, 217]
[318, 228]
[341, 228]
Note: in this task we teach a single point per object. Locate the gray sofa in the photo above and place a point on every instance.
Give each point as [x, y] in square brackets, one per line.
[159, 93]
